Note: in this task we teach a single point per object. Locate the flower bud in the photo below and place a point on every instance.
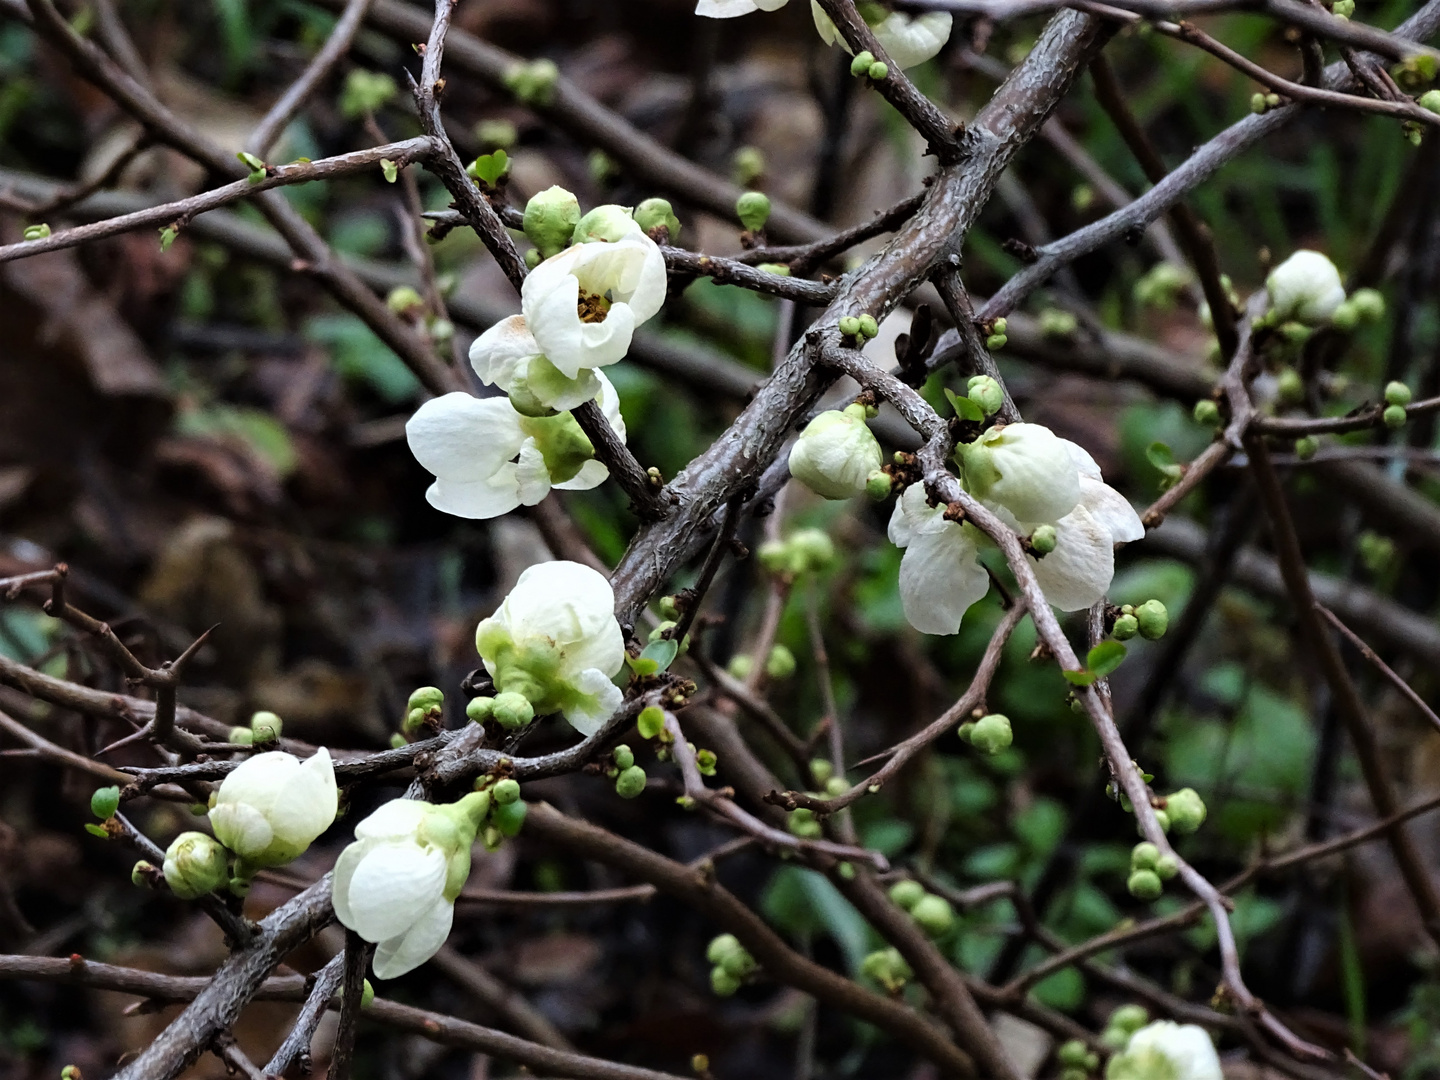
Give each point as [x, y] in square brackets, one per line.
[608, 223]
[878, 485]
[739, 963]
[985, 392]
[1346, 317]
[1043, 539]
[1430, 100]
[965, 730]
[1145, 885]
[652, 213]
[1072, 1053]
[1129, 1018]
[1185, 809]
[505, 792]
[1207, 413]
[781, 663]
[623, 756]
[1257, 103]
[934, 914]
[509, 818]
[398, 741]
[1153, 620]
[1394, 417]
[403, 298]
[512, 710]
[849, 326]
[748, 165]
[802, 823]
[723, 983]
[71, 1072]
[478, 709]
[991, 734]
[878, 71]
[1289, 387]
[271, 808]
[240, 736]
[907, 893]
[265, 728]
[1305, 447]
[1144, 855]
[550, 220]
[1057, 323]
[1343, 9]
[1369, 303]
[705, 762]
[740, 666]
[630, 783]
[1126, 627]
[836, 453]
[1305, 288]
[1397, 393]
[888, 968]
[1166, 867]
[861, 62]
[868, 326]
[836, 785]
[195, 865]
[533, 83]
[142, 874]
[722, 946]
[821, 770]
[1163, 820]
[104, 802]
[753, 210]
[996, 342]
[533, 259]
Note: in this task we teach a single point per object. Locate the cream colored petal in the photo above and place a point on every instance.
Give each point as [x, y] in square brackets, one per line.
[397, 955]
[940, 577]
[394, 885]
[1078, 571]
[464, 439]
[502, 353]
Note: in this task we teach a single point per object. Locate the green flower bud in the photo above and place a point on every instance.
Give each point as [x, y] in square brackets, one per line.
[705, 762]
[195, 864]
[1144, 855]
[669, 607]
[739, 963]
[1185, 809]
[1207, 413]
[802, 823]
[723, 983]
[240, 736]
[1163, 820]
[934, 914]
[1397, 393]
[71, 1072]
[478, 709]
[652, 213]
[104, 802]
[1306, 446]
[878, 71]
[533, 259]
[1092, 1062]
[623, 756]
[1289, 387]
[836, 785]
[821, 770]
[992, 734]
[550, 220]
[1346, 317]
[907, 893]
[1430, 100]
[1129, 1018]
[1073, 1074]
[748, 164]
[987, 393]
[398, 741]
[1043, 539]
[999, 326]
[878, 485]
[659, 633]
[651, 721]
[1257, 103]
[996, 342]
[966, 730]
[1369, 303]
[605, 223]
[496, 134]
[265, 727]
[888, 968]
[1057, 323]
[849, 326]
[1145, 885]
[1153, 620]
[753, 210]
[403, 298]
[868, 326]
[142, 874]
[533, 83]
[38, 232]
[740, 666]
[1343, 9]
[367, 994]
[1166, 866]
[778, 269]
[1272, 100]
[781, 663]
[630, 783]
[512, 710]
[509, 817]
[505, 792]
[722, 946]
[811, 549]
[1126, 627]
[861, 63]
[1073, 1054]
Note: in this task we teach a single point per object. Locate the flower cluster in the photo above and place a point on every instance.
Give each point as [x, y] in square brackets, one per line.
[908, 39]
[599, 277]
[1038, 484]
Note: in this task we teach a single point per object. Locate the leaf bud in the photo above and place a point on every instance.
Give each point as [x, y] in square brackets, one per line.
[550, 220]
[1185, 809]
[104, 802]
[512, 710]
[753, 210]
[533, 83]
[991, 734]
[630, 783]
[653, 213]
[705, 761]
[1153, 620]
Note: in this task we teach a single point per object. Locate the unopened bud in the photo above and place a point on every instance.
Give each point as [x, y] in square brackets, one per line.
[36, 232]
[1206, 413]
[934, 914]
[478, 709]
[550, 219]
[1289, 387]
[1144, 855]
[1394, 416]
[1153, 620]
[753, 210]
[1397, 393]
[878, 485]
[240, 736]
[987, 393]
[868, 326]
[860, 65]
[509, 818]
[104, 802]
[403, 298]
[1185, 809]
[1043, 539]
[996, 342]
[1430, 100]
[1126, 627]
[512, 710]
[630, 782]
[505, 792]
[740, 666]
[265, 727]
[1370, 303]
[142, 874]
[723, 983]
[1306, 446]
[849, 326]
[991, 734]
[1166, 867]
[781, 663]
[1145, 885]
[195, 864]
[604, 223]
[907, 893]
[878, 71]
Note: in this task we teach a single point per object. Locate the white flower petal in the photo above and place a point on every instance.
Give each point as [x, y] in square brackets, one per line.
[825, 27]
[940, 577]
[1078, 571]
[591, 475]
[394, 884]
[532, 478]
[1306, 287]
[601, 699]
[1031, 473]
[397, 819]
[1111, 510]
[501, 355]
[610, 404]
[725, 9]
[564, 601]
[913, 516]
[913, 39]
[405, 952]
[1082, 459]
[340, 879]
[479, 501]
[241, 828]
[464, 439]
[306, 806]
[1187, 1046]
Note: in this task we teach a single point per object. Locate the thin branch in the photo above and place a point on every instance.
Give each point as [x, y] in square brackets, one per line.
[296, 1046]
[650, 501]
[1380, 665]
[356, 957]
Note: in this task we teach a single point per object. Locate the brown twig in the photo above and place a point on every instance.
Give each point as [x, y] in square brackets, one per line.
[1369, 654]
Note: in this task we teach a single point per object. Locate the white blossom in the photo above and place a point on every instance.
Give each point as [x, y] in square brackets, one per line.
[1166, 1050]
[836, 453]
[555, 641]
[396, 884]
[507, 356]
[273, 806]
[583, 305]
[940, 573]
[488, 458]
[907, 39]
[729, 9]
[1025, 468]
[1305, 288]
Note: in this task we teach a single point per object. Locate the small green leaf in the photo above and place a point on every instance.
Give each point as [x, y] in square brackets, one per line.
[167, 237]
[964, 408]
[642, 665]
[1162, 457]
[489, 168]
[390, 169]
[662, 652]
[1105, 658]
[1080, 678]
[105, 801]
[97, 830]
